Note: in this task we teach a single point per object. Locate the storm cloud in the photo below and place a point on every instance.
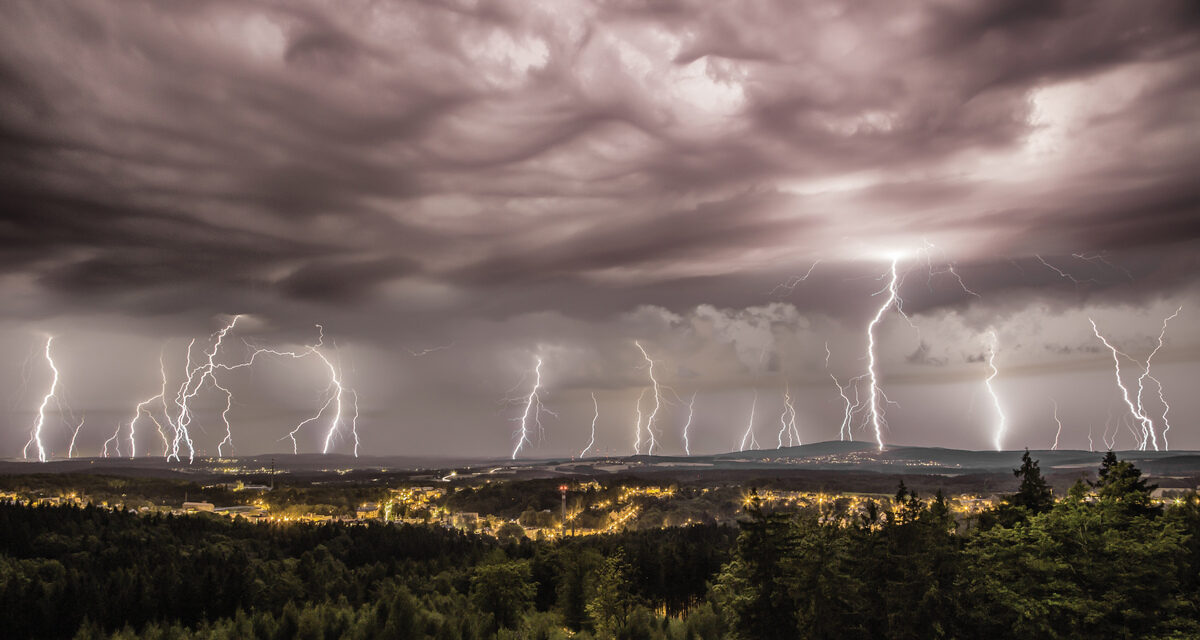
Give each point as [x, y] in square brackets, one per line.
[560, 178]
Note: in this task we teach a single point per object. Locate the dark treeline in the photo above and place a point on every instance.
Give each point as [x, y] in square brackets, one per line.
[1104, 561]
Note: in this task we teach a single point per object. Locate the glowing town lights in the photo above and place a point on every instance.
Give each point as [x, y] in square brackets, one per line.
[1001, 420]
[35, 437]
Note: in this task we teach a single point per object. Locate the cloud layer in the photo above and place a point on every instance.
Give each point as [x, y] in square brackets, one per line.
[564, 175]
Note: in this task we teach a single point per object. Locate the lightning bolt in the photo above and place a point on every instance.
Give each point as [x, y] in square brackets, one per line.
[1090, 446]
[787, 421]
[71, 449]
[691, 405]
[595, 417]
[1146, 374]
[878, 420]
[658, 399]
[35, 437]
[749, 435]
[793, 282]
[1109, 446]
[928, 248]
[1061, 273]
[138, 410]
[637, 443]
[1147, 424]
[1001, 422]
[533, 408]
[1059, 432]
[335, 382]
[228, 439]
[192, 384]
[115, 440]
[844, 431]
[336, 390]
[162, 397]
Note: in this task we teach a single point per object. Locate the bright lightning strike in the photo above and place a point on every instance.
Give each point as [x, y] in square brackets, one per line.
[787, 421]
[1147, 424]
[658, 399]
[878, 421]
[595, 417]
[1001, 420]
[35, 437]
[192, 384]
[637, 427]
[749, 435]
[336, 389]
[1054, 447]
[138, 410]
[687, 447]
[1146, 374]
[533, 409]
[71, 449]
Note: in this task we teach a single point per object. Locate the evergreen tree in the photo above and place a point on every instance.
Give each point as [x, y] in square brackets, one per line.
[613, 602]
[1121, 483]
[1034, 494]
[755, 588]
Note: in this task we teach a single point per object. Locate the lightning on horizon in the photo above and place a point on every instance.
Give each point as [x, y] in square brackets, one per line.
[658, 401]
[691, 405]
[35, 436]
[637, 427]
[532, 413]
[787, 421]
[595, 417]
[71, 449]
[844, 431]
[749, 435]
[1001, 420]
[1146, 374]
[1058, 433]
[1146, 423]
[875, 396]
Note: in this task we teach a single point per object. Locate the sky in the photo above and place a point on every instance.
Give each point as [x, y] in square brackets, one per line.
[455, 189]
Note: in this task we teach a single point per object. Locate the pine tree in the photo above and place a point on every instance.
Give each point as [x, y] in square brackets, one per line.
[1034, 494]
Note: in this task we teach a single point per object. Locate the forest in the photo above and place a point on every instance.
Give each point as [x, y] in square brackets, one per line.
[1103, 560]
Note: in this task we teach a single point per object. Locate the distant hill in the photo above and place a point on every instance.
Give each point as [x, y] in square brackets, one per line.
[1182, 467]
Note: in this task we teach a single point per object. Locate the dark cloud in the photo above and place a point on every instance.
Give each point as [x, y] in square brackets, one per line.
[515, 178]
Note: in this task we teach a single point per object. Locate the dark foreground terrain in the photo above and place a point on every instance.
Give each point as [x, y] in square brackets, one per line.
[1103, 560]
